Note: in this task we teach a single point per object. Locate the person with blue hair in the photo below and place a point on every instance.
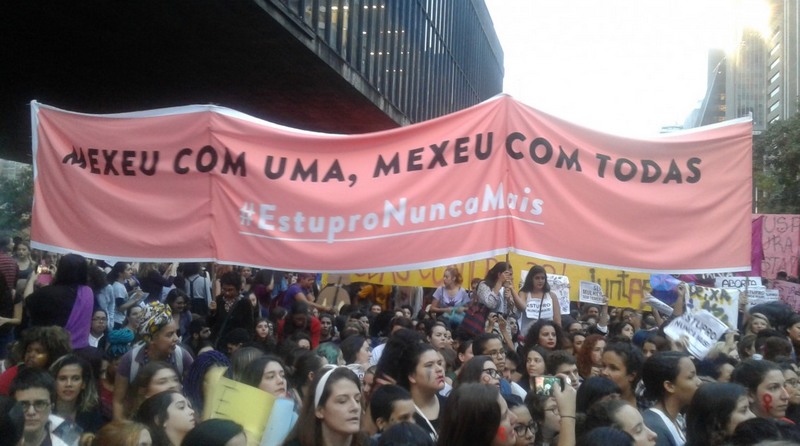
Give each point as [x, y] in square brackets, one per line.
[205, 371]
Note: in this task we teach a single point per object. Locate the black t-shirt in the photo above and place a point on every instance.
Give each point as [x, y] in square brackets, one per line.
[50, 305]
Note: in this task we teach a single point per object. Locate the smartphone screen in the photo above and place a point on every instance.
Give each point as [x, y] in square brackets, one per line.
[544, 384]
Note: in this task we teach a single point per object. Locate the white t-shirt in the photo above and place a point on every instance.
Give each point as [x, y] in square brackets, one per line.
[535, 309]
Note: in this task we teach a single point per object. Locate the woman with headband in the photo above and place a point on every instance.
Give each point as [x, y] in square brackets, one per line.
[331, 413]
[159, 343]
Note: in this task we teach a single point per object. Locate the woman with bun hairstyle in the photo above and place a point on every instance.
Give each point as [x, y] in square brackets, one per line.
[670, 378]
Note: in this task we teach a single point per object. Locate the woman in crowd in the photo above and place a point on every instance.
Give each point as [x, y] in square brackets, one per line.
[159, 334]
[118, 344]
[546, 334]
[26, 264]
[239, 360]
[793, 331]
[119, 274]
[331, 352]
[606, 436]
[496, 292]
[67, 302]
[622, 363]
[671, 381]
[450, 300]
[98, 332]
[437, 336]
[477, 415]
[263, 336]
[206, 370]
[10, 316]
[593, 390]
[538, 302]
[306, 366]
[156, 280]
[590, 357]
[332, 413]
[480, 369]
[545, 413]
[168, 416]
[418, 368]
[534, 357]
[76, 393]
[765, 383]
[714, 413]
[620, 415]
[524, 427]
[756, 322]
[792, 386]
[327, 331]
[268, 374]
[38, 348]
[356, 350]
[621, 330]
[155, 377]
[178, 303]
[133, 318]
[123, 433]
[216, 432]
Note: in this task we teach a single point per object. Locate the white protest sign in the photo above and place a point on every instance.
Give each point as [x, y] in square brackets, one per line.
[699, 331]
[658, 305]
[761, 295]
[591, 293]
[720, 302]
[560, 286]
[740, 283]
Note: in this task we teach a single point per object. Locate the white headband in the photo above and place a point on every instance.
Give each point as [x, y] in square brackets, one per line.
[322, 382]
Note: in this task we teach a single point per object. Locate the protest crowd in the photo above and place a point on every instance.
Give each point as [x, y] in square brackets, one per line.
[97, 353]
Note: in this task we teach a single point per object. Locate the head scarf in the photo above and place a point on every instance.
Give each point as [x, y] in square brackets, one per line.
[119, 342]
[156, 316]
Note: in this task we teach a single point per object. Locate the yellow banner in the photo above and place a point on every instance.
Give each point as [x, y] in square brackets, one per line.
[623, 288]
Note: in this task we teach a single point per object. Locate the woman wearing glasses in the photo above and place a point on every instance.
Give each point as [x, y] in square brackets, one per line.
[480, 369]
[525, 427]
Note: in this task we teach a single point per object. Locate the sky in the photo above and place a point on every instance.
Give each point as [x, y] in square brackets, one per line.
[626, 67]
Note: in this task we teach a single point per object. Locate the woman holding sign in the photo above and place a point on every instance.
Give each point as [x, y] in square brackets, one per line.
[536, 301]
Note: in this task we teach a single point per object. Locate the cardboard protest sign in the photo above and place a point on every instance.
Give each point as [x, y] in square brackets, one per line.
[758, 295]
[699, 331]
[560, 286]
[737, 282]
[789, 292]
[207, 183]
[591, 293]
[228, 400]
[723, 303]
[780, 241]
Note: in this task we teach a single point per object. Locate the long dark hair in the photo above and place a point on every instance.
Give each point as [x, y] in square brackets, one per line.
[153, 414]
[308, 429]
[497, 269]
[527, 286]
[116, 270]
[472, 370]
[472, 416]
[72, 271]
[708, 416]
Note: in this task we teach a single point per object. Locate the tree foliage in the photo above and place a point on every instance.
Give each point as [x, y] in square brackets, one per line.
[776, 164]
[16, 201]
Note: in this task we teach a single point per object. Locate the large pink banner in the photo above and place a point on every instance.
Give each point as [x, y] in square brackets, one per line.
[209, 183]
